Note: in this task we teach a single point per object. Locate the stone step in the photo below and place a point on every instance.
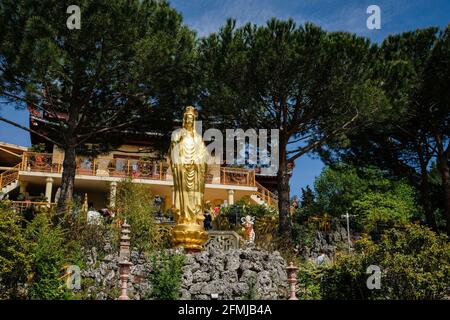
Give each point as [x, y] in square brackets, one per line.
[8, 188]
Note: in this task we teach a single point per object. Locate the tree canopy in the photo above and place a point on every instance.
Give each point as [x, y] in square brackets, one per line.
[414, 134]
[129, 68]
[310, 84]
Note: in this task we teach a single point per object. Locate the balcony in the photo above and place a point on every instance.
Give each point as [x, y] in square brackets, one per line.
[135, 169]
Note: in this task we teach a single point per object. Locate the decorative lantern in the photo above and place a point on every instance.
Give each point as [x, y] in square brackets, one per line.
[292, 280]
[124, 264]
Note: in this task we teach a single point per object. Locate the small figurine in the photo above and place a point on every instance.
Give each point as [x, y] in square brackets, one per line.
[248, 223]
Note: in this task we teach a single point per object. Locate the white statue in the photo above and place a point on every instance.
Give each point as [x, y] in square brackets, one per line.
[248, 223]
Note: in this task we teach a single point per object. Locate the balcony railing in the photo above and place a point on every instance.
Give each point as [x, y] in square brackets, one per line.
[39, 162]
[237, 176]
[153, 170]
[35, 206]
[9, 176]
[266, 195]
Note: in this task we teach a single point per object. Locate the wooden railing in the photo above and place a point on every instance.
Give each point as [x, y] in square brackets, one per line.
[9, 176]
[20, 206]
[323, 222]
[39, 162]
[266, 195]
[237, 176]
[154, 170]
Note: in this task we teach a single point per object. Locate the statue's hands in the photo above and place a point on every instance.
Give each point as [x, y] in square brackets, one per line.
[177, 135]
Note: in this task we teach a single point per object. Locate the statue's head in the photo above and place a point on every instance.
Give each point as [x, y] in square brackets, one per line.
[189, 118]
[248, 220]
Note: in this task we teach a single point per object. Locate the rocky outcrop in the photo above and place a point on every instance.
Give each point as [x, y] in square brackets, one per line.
[326, 242]
[234, 274]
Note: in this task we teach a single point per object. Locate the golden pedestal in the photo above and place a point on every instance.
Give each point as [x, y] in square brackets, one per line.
[190, 236]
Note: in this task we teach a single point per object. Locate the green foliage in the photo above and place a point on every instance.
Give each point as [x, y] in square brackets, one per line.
[166, 275]
[309, 279]
[40, 147]
[15, 260]
[135, 204]
[395, 207]
[337, 188]
[367, 194]
[79, 234]
[412, 134]
[252, 292]
[414, 262]
[310, 84]
[129, 67]
[48, 257]
[244, 207]
[304, 233]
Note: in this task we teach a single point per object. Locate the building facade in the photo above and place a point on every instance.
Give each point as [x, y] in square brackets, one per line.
[36, 177]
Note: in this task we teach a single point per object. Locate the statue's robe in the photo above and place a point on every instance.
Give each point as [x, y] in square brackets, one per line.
[188, 163]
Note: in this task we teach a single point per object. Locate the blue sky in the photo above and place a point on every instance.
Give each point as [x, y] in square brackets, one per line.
[207, 16]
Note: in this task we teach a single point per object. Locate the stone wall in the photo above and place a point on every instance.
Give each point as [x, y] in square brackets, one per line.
[230, 274]
[327, 242]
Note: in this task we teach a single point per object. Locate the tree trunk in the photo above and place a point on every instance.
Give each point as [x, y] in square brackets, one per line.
[445, 175]
[442, 157]
[68, 179]
[283, 188]
[425, 191]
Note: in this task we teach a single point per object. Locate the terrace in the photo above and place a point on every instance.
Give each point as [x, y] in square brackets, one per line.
[100, 176]
[135, 169]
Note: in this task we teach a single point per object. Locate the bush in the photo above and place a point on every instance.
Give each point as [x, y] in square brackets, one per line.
[166, 275]
[48, 255]
[14, 248]
[414, 261]
[231, 215]
[367, 193]
[252, 292]
[135, 204]
[79, 234]
[304, 234]
[309, 279]
[395, 207]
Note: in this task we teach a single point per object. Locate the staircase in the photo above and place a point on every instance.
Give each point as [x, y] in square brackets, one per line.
[263, 196]
[9, 180]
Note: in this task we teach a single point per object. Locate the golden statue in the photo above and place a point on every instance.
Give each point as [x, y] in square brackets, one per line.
[188, 157]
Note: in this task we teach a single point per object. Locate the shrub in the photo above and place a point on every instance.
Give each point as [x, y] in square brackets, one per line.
[40, 147]
[79, 234]
[414, 261]
[135, 203]
[309, 279]
[304, 233]
[166, 275]
[14, 247]
[395, 207]
[252, 292]
[231, 215]
[48, 257]
[367, 194]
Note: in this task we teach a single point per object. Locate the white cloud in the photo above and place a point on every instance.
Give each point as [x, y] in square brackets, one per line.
[213, 14]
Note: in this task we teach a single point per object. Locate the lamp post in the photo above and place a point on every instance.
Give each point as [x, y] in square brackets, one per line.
[347, 218]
